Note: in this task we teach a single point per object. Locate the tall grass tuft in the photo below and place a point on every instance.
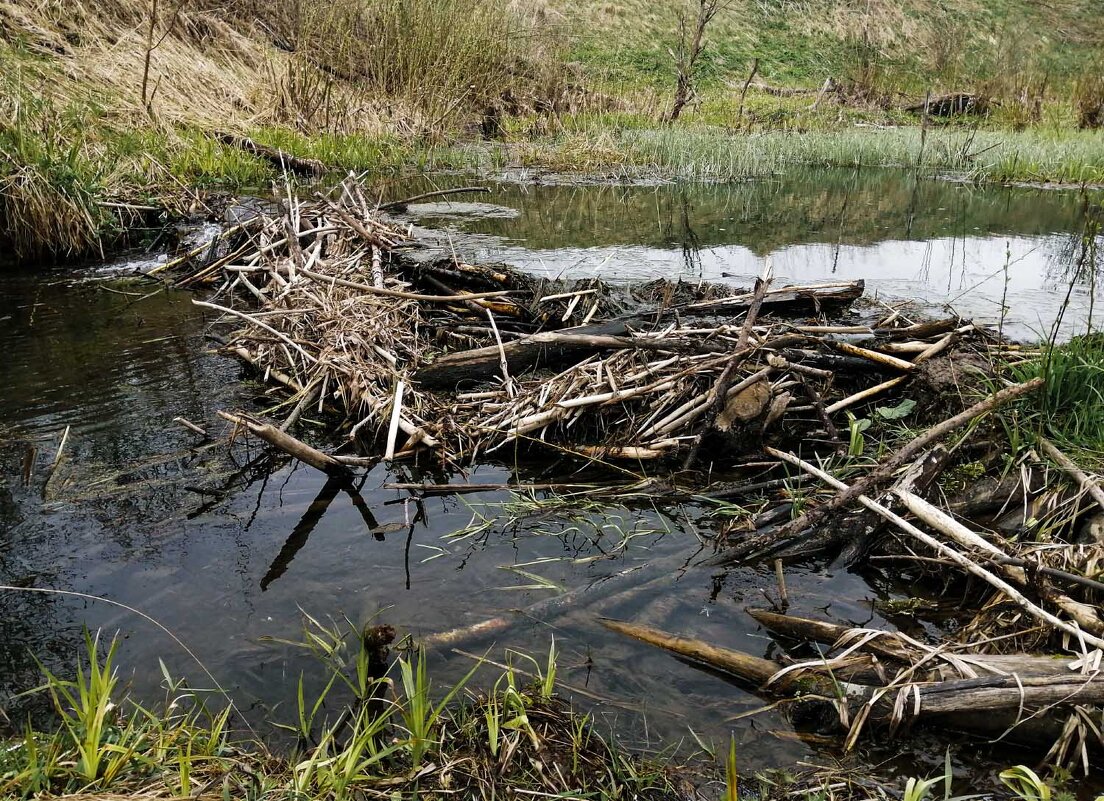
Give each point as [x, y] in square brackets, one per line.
[1070, 408]
[439, 56]
[49, 186]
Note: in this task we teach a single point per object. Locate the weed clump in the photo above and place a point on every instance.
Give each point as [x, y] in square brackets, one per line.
[1070, 407]
[49, 186]
[375, 729]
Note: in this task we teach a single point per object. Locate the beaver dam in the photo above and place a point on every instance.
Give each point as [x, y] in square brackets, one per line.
[756, 399]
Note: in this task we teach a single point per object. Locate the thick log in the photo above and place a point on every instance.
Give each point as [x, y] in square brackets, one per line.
[793, 299]
[889, 647]
[1005, 701]
[279, 159]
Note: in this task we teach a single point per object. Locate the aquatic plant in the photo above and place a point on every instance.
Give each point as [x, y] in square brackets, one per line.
[516, 736]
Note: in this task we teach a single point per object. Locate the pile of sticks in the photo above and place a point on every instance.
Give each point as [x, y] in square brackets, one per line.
[463, 360]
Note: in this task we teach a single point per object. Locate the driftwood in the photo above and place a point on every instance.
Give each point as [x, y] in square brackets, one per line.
[273, 155]
[287, 443]
[1005, 701]
[890, 646]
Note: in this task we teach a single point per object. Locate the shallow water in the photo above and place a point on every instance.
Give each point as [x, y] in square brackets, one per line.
[976, 249]
[229, 552]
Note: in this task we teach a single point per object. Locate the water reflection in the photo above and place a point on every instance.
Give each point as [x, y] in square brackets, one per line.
[996, 255]
[227, 547]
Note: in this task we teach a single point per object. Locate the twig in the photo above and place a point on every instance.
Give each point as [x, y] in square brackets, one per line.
[958, 558]
[1087, 484]
[397, 205]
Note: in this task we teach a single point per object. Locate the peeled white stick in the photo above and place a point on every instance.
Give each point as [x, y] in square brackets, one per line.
[958, 558]
[396, 415]
[1084, 615]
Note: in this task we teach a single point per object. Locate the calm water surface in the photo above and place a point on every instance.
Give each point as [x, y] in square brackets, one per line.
[228, 548]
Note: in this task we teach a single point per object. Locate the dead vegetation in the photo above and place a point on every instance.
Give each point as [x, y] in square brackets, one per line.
[459, 360]
[443, 360]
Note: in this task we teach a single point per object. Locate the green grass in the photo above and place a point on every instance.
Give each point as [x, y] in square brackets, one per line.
[388, 738]
[908, 45]
[711, 153]
[1069, 409]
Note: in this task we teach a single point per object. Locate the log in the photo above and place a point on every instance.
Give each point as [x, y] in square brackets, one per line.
[809, 297]
[890, 647]
[859, 533]
[279, 159]
[529, 352]
[1006, 701]
[752, 669]
[287, 443]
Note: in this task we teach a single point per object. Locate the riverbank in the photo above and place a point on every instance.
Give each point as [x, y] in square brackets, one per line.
[373, 724]
[109, 121]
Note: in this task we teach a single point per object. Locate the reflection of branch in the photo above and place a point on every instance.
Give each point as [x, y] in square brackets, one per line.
[302, 531]
[310, 520]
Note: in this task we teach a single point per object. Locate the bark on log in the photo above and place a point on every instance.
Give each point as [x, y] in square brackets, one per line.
[891, 648]
[1004, 701]
[287, 443]
[809, 297]
[274, 156]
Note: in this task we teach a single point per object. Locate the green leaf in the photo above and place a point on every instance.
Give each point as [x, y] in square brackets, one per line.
[901, 410]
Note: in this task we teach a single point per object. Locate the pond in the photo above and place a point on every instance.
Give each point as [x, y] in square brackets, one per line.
[228, 547]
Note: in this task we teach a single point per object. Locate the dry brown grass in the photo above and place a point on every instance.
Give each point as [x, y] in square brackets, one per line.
[343, 66]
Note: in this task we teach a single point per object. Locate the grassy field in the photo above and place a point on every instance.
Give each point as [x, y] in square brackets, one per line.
[913, 44]
[107, 108]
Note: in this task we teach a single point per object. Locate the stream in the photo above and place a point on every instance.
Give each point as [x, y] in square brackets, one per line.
[228, 548]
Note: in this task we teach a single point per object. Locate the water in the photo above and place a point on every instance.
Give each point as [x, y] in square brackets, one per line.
[227, 547]
[977, 250]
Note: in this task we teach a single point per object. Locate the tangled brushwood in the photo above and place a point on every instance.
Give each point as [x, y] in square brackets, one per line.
[423, 355]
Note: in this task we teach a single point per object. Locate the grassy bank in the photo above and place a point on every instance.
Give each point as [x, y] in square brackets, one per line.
[376, 727]
[105, 111]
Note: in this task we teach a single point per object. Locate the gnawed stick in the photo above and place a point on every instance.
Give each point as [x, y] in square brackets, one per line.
[958, 558]
[1084, 615]
[287, 443]
[1084, 481]
[188, 424]
[752, 669]
[719, 393]
[768, 543]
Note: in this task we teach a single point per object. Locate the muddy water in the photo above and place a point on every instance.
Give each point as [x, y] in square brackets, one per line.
[227, 548]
